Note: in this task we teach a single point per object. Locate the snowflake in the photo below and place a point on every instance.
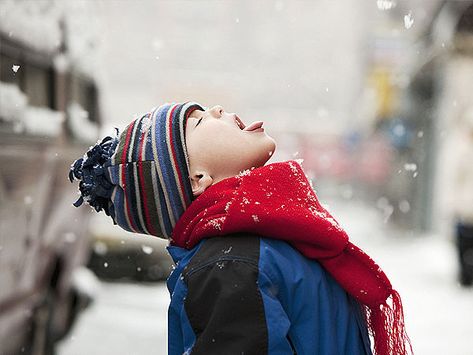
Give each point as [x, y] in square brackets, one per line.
[245, 200]
[293, 168]
[385, 4]
[217, 223]
[146, 249]
[145, 124]
[408, 20]
[410, 167]
[255, 218]
[244, 172]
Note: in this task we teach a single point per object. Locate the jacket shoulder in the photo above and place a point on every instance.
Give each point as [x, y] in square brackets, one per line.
[242, 247]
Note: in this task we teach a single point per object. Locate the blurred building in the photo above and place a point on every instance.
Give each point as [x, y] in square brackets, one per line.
[422, 96]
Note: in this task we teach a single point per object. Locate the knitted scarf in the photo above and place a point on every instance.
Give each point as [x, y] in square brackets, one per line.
[277, 201]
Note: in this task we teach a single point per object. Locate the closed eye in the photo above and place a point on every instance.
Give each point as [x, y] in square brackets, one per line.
[198, 121]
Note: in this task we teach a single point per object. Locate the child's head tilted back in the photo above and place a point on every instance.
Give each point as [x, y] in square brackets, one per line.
[149, 175]
[219, 145]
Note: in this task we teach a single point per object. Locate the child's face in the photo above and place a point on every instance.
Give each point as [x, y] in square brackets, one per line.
[218, 148]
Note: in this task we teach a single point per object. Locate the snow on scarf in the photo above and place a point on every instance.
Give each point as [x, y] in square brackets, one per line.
[277, 201]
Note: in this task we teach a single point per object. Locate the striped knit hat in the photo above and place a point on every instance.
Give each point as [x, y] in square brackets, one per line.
[141, 179]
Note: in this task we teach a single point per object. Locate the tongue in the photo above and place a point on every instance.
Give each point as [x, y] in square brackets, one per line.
[253, 126]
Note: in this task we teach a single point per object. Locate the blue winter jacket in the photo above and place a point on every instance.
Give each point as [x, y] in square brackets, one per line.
[244, 294]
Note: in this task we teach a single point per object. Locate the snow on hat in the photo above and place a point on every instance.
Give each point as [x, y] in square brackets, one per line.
[141, 178]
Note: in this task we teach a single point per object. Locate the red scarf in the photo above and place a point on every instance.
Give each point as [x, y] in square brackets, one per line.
[277, 201]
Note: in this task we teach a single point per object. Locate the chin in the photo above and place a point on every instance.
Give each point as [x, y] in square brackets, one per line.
[266, 151]
[271, 148]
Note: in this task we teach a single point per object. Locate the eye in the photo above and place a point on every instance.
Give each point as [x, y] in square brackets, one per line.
[198, 121]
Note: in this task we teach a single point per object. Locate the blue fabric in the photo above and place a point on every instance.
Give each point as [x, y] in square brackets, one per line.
[302, 302]
[181, 337]
[306, 303]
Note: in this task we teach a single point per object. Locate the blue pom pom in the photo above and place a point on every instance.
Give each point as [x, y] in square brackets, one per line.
[95, 186]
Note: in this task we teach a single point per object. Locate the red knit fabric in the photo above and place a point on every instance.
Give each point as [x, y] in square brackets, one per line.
[276, 201]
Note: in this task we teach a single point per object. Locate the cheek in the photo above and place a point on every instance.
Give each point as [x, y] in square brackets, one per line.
[222, 147]
[219, 140]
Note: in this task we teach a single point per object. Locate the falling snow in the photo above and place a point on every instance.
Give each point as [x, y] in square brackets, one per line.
[385, 4]
[28, 200]
[70, 237]
[100, 248]
[410, 167]
[404, 206]
[146, 249]
[408, 20]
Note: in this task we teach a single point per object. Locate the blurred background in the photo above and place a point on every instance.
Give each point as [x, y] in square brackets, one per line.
[376, 97]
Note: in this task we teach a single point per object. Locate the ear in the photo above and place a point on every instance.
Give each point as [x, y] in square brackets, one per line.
[200, 181]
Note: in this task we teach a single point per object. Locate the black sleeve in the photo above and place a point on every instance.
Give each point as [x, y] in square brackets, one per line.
[223, 303]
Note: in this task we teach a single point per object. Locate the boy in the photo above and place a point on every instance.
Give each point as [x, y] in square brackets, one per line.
[261, 267]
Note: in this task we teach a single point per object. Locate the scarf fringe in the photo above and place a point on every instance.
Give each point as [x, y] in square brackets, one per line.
[386, 326]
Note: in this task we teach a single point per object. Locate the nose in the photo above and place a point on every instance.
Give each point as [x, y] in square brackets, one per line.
[217, 111]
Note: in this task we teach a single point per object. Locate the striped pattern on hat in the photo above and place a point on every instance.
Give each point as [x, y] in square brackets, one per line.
[150, 169]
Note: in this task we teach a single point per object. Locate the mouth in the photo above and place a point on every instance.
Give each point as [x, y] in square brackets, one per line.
[239, 122]
[254, 126]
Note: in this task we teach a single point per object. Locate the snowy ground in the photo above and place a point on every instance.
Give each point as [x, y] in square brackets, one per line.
[125, 319]
[130, 319]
